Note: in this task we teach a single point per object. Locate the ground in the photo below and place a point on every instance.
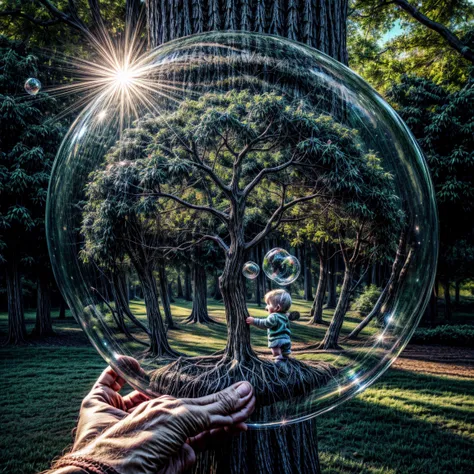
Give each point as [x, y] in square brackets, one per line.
[418, 418]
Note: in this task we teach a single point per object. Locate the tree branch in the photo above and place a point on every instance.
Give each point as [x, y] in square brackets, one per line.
[30, 18]
[220, 215]
[264, 172]
[277, 216]
[73, 21]
[447, 34]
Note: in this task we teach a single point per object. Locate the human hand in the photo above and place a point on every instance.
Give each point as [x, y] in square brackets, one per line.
[134, 434]
[250, 320]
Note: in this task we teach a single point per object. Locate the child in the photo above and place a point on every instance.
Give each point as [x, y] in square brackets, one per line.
[277, 323]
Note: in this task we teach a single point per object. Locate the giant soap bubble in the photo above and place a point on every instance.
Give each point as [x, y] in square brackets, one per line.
[281, 267]
[234, 144]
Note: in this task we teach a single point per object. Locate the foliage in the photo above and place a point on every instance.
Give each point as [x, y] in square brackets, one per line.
[443, 123]
[416, 49]
[460, 335]
[29, 142]
[365, 302]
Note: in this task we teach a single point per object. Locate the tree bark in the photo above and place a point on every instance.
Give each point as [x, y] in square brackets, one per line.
[170, 293]
[44, 325]
[217, 290]
[317, 307]
[165, 299]
[199, 312]
[322, 24]
[16, 315]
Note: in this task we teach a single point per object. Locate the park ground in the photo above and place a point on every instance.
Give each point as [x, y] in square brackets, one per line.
[418, 418]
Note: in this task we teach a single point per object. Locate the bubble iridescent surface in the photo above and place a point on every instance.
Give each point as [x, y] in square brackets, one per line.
[32, 86]
[250, 270]
[281, 267]
[245, 143]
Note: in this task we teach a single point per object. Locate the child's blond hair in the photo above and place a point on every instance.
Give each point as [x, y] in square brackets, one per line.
[279, 298]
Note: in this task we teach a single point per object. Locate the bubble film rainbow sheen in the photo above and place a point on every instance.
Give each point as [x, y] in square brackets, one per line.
[281, 267]
[251, 270]
[234, 146]
[32, 86]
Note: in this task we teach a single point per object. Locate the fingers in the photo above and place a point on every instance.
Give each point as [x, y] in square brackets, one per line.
[214, 438]
[133, 399]
[232, 406]
[109, 378]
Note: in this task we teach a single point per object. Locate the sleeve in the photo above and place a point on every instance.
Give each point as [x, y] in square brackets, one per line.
[269, 322]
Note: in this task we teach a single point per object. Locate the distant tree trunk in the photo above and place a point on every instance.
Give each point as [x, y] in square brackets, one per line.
[159, 345]
[457, 294]
[430, 314]
[199, 312]
[390, 287]
[332, 282]
[448, 311]
[165, 299]
[217, 290]
[43, 325]
[180, 287]
[308, 283]
[170, 293]
[120, 292]
[317, 307]
[62, 308]
[331, 337]
[187, 284]
[16, 315]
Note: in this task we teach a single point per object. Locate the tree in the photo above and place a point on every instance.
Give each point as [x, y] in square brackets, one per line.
[28, 145]
[443, 123]
[221, 159]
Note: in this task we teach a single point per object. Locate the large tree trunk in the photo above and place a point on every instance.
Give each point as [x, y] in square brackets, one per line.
[321, 24]
[317, 307]
[165, 298]
[331, 337]
[199, 312]
[16, 315]
[232, 286]
[43, 325]
[217, 290]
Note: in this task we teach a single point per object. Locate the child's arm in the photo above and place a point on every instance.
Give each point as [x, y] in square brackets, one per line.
[262, 323]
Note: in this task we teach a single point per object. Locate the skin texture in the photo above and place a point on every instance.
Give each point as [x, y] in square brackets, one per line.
[134, 434]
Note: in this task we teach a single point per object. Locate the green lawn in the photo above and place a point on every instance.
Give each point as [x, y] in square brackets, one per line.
[406, 423]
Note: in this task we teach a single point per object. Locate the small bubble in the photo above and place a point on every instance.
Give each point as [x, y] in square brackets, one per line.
[32, 86]
[250, 270]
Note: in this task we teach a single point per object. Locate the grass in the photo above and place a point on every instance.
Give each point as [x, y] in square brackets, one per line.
[406, 423]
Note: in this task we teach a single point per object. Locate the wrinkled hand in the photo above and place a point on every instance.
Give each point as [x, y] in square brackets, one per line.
[136, 435]
[250, 320]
